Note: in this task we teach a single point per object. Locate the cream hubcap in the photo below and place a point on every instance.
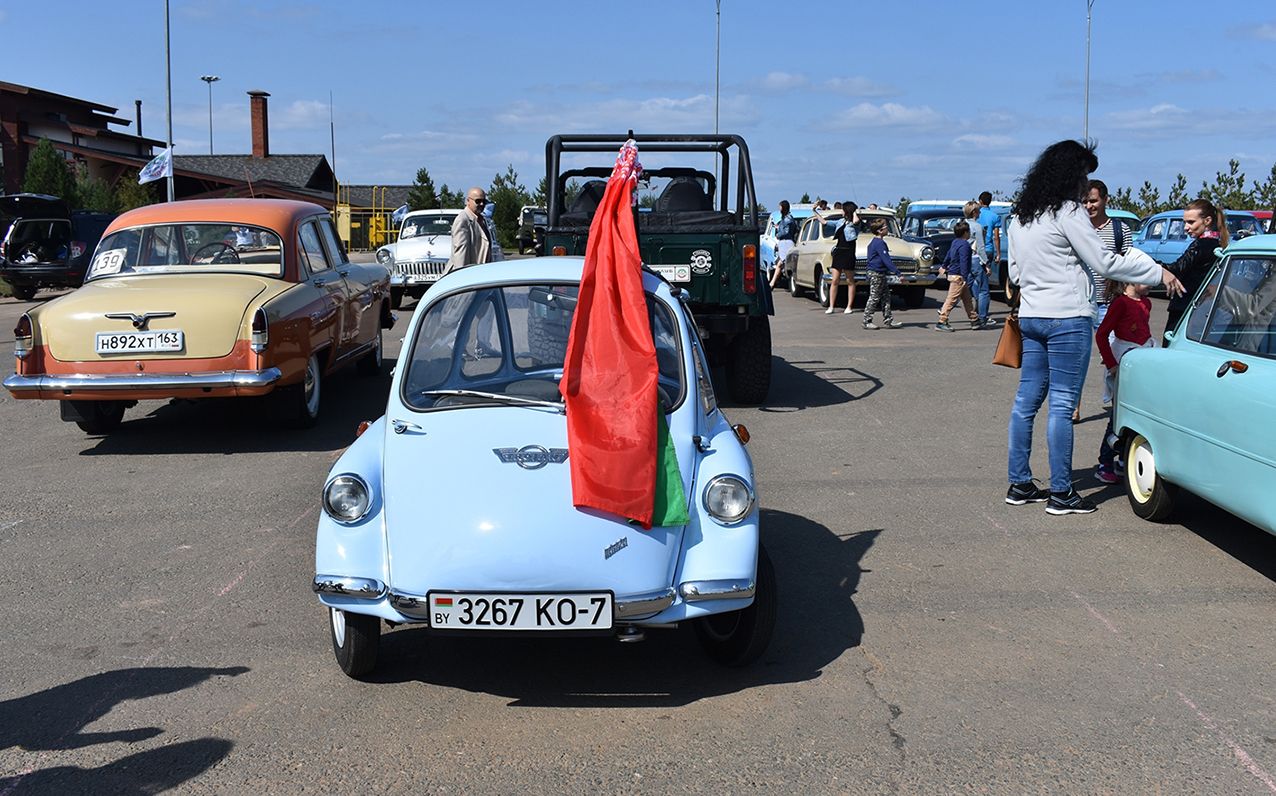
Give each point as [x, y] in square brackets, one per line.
[338, 626]
[1141, 469]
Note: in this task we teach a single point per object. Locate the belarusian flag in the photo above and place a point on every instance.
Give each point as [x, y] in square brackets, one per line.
[619, 457]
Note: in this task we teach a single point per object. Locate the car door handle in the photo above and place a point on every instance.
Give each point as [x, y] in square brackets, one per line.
[346, 272]
[321, 281]
[1234, 365]
[403, 426]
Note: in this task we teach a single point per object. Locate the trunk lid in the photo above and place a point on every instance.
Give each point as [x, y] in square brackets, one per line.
[208, 308]
[458, 517]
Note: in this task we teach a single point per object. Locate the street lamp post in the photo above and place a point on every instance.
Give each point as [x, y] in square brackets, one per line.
[210, 80]
[1089, 6]
[717, 64]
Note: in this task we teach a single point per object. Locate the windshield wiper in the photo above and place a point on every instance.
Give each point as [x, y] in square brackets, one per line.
[557, 406]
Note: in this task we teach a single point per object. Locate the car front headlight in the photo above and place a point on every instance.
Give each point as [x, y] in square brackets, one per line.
[346, 498]
[728, 499]
[928, 253]
[384, 257]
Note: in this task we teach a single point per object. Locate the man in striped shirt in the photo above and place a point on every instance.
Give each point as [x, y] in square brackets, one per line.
[1116, 237]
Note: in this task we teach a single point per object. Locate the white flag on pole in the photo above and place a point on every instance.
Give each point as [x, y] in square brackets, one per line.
[159, 168]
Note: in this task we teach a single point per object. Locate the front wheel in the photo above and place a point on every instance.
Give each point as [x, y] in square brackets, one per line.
[355, 641]
[749, 363]
[738, 638]
[1150, 496]
[24, 292]
[821, 288]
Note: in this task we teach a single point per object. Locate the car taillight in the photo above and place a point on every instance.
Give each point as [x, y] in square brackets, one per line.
[261, 331]
[560, 251]
[77, 248]
[750, 253]
[22, 337]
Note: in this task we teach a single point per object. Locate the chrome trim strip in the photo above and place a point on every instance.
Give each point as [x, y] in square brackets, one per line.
[417, 607]
[632, 605]
[145, 381]
[694, 591]
[363, 588]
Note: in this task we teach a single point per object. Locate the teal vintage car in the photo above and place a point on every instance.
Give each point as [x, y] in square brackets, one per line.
[1197, 414]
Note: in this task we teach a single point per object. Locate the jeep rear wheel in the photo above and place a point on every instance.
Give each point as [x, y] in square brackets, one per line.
[738, 638]
[749, 363]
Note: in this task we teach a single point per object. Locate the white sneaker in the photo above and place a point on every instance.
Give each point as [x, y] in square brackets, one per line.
[848, 311]
[828, 311]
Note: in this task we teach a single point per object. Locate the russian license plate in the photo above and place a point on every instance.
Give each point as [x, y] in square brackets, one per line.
[673, 273]
[417, 279]
[478, 611]
[140, 342]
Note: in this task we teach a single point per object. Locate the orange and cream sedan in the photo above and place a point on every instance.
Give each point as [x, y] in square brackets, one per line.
[205, 299]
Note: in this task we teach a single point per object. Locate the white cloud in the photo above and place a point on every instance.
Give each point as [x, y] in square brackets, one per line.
[665, 114]
[859, 87]
[982, 141]
[783, 81]
[889, 114]
[300, 114]
[1264, 32]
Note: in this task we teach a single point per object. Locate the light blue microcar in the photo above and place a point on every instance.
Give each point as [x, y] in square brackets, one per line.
[1197, 414]
[453, 511]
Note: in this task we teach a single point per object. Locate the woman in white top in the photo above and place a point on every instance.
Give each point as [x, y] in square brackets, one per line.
[1050, 237]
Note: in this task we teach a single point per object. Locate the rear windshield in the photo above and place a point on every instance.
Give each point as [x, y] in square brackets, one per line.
[176, 248]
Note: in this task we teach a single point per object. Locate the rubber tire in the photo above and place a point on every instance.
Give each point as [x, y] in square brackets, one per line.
[740, 637]
[107, 416]
[297, 410]
[370, 363]
[821, 288]
[1154, 503]
[396, 298]
[795, 290]
[749, 363]
[914, 297]
[357, 642]
[24, 292]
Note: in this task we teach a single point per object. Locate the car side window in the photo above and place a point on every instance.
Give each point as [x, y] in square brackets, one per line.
[1176, 230]
[708, 401]
[911, 226]
[482, 353]
[1155, 230]
[336, 252]
[311, 248]
[1202, 305]
[1244, 313]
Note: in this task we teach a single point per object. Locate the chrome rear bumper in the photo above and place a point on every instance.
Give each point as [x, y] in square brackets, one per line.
[144, 381]
[694, 591]
[363, 588]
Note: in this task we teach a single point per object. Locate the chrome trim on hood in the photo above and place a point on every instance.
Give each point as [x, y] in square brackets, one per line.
[694, 591]
[632, 605]
[145, 381]
[363, 588]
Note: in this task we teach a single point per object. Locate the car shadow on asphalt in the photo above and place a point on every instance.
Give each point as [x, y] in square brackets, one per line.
[245, 425]
[1248, 544]
[811, 383]
[818, 573]
[54, 720]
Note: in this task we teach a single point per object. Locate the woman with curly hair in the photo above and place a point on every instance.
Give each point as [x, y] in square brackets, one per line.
[1050, 238]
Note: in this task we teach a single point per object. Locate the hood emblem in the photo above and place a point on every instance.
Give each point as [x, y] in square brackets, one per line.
[531, 457]
[139, 321]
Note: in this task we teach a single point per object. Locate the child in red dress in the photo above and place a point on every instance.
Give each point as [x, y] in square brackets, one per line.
[1126, 323]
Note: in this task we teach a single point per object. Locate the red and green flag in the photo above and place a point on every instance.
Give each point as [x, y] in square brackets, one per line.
[622, 459]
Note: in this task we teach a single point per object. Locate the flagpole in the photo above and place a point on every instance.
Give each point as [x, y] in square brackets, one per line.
[168, 75]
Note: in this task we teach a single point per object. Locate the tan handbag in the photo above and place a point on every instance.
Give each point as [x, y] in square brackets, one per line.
[1010, 345]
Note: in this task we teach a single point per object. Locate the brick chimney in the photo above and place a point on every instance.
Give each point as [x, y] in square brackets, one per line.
[261, 128]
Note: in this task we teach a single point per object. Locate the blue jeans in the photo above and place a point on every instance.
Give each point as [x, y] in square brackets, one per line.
[979, 289]
[1056, 354]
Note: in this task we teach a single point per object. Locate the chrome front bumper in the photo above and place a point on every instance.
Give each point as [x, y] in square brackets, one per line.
[363, 588]
[696, 591]
[144, 381]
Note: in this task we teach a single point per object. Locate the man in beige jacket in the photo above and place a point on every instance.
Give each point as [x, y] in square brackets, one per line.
[470, 244]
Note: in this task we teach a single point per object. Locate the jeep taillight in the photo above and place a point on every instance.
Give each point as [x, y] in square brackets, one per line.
[750, 257]
[22, 337]
[77, 248]
[261, 331]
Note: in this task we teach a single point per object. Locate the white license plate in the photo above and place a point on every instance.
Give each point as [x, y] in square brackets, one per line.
[417, 279]
[480, 611]
[140, 342]
[673, 273]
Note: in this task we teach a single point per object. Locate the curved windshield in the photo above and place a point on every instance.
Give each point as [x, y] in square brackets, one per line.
[891, 222]
[427, 225]
[177, 248]
[506, 345]
[1244, 226]
[940, 224]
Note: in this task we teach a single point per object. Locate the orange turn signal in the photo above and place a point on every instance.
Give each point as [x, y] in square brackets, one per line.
[741, 433]
[559, 251]
[362, 427]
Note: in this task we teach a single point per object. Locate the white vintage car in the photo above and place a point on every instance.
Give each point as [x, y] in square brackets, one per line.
[420, 255]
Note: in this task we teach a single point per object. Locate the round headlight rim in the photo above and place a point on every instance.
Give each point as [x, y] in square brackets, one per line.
[327, 508]
[748, 488]
[927, 253]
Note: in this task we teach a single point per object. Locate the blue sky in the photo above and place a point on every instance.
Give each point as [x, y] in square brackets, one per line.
[918, 99]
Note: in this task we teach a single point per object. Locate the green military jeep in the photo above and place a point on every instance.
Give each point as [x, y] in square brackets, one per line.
[695, 227]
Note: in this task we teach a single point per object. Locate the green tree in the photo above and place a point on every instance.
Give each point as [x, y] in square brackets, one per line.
[422, 195]
[1265, 192]
[509, 195]
[1228, 189]
[570, 191]
[901, 207]
[541, 197]
[1149, 199]
[1177, 196]
[1123, 199]
[806, 199]
[450, 199]
[47, 173]
[128, 194]
[92, 193]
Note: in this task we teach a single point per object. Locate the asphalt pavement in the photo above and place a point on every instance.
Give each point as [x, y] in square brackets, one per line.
[160, 630]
